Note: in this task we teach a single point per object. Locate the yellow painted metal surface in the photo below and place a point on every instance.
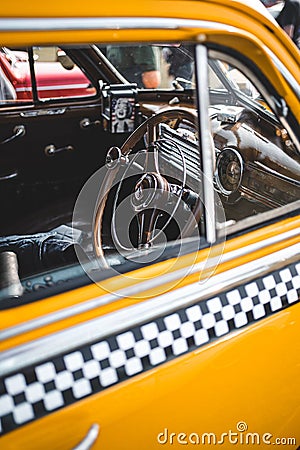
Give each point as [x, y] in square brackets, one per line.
[250, 377]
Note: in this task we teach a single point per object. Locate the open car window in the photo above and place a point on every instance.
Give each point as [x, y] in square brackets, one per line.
[15, 79]
[54, 75]
[145, 199]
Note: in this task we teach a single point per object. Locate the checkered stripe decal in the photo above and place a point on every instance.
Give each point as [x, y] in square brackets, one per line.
[37, 391]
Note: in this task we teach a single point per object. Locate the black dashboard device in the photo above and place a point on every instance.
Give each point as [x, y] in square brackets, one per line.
[119, 108]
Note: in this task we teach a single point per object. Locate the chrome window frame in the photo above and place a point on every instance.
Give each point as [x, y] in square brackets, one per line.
[206, 149]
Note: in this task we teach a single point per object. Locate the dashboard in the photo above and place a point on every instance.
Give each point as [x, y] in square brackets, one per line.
[255, 166]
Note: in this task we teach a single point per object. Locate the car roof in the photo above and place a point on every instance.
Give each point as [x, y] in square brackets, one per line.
[70, 8]
[248, 15]
[184, 9]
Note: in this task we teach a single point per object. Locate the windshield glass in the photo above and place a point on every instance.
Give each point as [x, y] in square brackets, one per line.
[153, 66]
[172, 68]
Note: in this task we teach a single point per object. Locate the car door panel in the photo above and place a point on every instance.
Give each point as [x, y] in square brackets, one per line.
[114, 380]
[189, 339]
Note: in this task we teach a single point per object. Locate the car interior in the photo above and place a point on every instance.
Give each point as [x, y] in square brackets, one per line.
[98, 170]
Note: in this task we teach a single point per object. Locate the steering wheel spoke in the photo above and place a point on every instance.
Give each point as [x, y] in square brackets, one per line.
[146, 226]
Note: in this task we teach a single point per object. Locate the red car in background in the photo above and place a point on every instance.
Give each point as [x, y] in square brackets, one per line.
[55, 78]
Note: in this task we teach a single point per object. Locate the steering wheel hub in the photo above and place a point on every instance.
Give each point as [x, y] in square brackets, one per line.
[150, 191]
[152, 197]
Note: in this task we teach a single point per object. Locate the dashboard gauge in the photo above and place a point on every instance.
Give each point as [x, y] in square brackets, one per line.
[229, 171]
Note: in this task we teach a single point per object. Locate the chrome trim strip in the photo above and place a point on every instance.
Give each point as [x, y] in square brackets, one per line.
[207, 152]
[43, 112]
[104, 23]
[139, 287]
[113, 323]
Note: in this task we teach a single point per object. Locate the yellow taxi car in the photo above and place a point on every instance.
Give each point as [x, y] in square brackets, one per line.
[149, 249]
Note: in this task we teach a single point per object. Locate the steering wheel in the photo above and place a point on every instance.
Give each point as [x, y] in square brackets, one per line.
[152, 190]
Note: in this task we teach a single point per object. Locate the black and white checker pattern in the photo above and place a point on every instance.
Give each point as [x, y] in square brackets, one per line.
[37, 391]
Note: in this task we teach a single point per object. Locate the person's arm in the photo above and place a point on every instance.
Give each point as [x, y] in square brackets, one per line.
[151, 79]
[146, 59]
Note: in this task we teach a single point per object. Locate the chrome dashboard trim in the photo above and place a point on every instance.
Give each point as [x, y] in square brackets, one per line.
[96, 329]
